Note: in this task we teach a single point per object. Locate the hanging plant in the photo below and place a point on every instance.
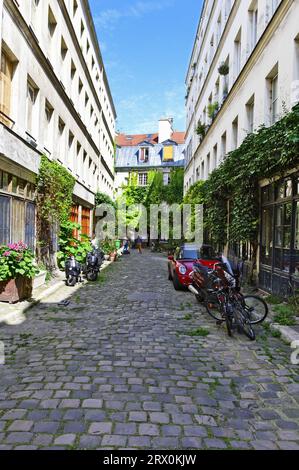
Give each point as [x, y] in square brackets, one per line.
[223, 69]
[201, 129]
[213, 109]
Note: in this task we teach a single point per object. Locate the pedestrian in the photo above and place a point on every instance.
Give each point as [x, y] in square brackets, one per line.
[139, 244]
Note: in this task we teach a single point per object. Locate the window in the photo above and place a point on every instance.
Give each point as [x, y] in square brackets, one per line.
[219, 29]
[80, 86]
[223, 145]
[144, 154]
[274, 99]
[52, 23]
[237, 54]
[6, 72]
[63, 49]
[168, 153]
[70, 150]
[253, 20]
[85, 221]
[142, 179]
[32, 92]
[208, 166]
[250, 115]
[73, 70]
[235, 129]
[48, 124]
[75, 7]
[82, 28]
[215, 153]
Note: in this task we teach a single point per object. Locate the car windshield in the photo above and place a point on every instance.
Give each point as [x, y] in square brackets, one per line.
[190, 254]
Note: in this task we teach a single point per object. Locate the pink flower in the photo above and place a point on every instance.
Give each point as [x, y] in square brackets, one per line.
[7, 253]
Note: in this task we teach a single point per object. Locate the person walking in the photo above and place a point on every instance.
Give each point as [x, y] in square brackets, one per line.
[139, 244]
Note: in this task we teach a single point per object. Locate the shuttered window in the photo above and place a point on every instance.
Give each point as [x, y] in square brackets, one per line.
[4, 220]
[18, 220]
[168, 153]
[75, 218]
[85, 221]
[30, 225]
[5, 88]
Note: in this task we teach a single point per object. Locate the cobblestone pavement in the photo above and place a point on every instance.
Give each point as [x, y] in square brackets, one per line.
[119, 368]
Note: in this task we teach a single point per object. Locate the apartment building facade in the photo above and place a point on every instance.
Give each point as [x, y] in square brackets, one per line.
[54, 100]
[141, 153]
[244, 73]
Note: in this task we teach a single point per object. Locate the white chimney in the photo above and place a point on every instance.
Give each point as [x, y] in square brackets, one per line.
[165, 129]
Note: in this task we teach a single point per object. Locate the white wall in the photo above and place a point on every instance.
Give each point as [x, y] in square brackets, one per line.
[87, 121]
[282, 29]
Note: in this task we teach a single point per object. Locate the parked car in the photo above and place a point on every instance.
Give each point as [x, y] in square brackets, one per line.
[180, 265]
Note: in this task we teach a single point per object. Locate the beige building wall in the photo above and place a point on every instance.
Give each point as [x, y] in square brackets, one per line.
[259, 40]
[56, 57]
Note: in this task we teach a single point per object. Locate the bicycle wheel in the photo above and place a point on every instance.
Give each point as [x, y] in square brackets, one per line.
[256, 308]
[243, 322]
[214, 310]
[229, 325]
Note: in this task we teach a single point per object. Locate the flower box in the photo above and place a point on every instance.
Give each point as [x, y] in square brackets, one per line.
[15, 290]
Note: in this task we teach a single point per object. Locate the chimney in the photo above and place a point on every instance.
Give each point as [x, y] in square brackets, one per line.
[165, 129]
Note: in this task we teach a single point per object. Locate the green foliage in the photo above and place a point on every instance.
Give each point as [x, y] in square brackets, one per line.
[269, 151]
[16, 260]
[174, 191]
[108, 246]
[70, 245]
[55, 187]
[274, 299]
[102, 198]
[212, 109]
[284, 315]
[198, 332]
[201, 129]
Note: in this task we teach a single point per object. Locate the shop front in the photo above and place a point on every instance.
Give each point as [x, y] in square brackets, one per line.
[17, 210]
[279, 242]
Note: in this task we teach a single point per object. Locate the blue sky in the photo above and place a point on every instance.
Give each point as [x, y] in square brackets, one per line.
[146, 46]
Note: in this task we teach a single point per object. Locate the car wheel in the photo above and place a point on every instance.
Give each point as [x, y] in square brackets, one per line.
[176, 283]
[169, 274]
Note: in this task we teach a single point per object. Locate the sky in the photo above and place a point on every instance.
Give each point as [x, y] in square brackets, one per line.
[146, 47]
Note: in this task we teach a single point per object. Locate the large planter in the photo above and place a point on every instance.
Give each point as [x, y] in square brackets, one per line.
[14, 290]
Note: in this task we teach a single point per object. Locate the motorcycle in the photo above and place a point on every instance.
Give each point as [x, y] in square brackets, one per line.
[72, 271]
[94, 261]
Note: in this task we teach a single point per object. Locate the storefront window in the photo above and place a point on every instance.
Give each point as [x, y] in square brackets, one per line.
[267, 236]
[283, 216]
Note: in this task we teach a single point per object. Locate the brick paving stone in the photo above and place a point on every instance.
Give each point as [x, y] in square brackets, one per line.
[124, 379]
[65, 439]
[21, 425]
[100, 428]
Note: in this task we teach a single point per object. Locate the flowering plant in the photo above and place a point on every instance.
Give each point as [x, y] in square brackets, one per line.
[16, 260]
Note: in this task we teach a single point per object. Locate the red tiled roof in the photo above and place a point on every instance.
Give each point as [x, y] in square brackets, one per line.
[123, 140]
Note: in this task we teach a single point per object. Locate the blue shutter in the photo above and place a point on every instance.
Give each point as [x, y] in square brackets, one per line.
[30, 225]
[4, 219]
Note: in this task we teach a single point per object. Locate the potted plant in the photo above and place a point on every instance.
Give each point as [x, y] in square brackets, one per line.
[223, 69]
[201, 129]
[17, 270]
[213, 109]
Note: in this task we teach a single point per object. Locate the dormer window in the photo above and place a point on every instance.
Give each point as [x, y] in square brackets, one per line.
[144, 154]
[168, 153]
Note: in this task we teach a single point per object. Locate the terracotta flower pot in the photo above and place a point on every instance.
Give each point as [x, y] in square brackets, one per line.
[14, 290]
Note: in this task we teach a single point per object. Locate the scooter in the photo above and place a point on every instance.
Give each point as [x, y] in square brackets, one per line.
[72, 271]
[94, 261]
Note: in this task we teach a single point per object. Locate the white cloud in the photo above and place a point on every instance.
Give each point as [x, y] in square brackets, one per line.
[109, 18]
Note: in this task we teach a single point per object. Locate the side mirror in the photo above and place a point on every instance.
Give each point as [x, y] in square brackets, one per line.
[171, 258]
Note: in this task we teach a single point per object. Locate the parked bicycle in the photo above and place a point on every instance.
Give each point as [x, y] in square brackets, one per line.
[219, 290]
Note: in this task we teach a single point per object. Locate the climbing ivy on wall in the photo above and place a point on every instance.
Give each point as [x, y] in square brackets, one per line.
[268, 152]
[55, 187]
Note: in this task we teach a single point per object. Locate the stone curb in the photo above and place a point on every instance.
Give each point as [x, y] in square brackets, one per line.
[288, 334]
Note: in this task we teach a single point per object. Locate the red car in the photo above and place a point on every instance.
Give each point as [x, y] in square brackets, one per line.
[180, 265]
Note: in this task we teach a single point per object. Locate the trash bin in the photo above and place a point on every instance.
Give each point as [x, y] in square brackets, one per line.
[117, 244]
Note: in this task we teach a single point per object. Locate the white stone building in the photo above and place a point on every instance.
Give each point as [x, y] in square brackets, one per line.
[54, 100]
[259, 42]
